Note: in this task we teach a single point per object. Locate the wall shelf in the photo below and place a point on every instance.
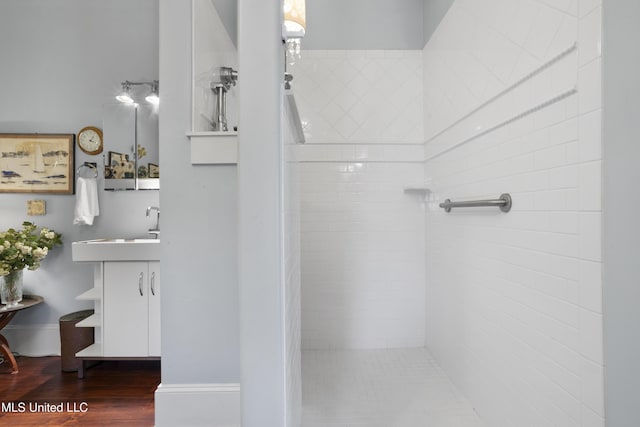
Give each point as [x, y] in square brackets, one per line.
[421, 191]
[214, 148]
[418, 190]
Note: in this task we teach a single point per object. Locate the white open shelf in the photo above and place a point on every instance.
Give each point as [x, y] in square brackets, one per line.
[92, 294]
[94, 350]
[214, 148]
[90, 322]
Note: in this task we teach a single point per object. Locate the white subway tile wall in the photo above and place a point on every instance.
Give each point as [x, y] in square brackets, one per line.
[362, 236]
[514, 301]
[362, 256]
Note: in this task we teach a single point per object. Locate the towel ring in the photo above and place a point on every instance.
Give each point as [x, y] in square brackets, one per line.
[90, 166]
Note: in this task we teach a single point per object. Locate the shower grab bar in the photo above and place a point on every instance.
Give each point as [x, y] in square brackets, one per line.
[503, 202]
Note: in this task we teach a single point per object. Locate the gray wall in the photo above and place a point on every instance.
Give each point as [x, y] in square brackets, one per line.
[434, 11]
[360, 24]
[61, 60]
[364, 24]
[228, 11]
[621, 127]
[200, 336]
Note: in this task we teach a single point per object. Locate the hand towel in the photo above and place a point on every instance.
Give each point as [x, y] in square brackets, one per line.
[86, 201]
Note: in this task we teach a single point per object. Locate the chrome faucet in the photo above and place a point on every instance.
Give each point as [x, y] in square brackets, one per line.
[228, 77]
[155, 230]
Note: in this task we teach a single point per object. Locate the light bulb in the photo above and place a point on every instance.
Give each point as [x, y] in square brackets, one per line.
[295, 20]
[125, 97]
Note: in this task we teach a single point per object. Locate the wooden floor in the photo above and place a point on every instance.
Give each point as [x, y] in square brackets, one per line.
[112, 393]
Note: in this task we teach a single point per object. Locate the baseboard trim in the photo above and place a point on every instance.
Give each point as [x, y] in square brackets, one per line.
[197, 405]
[34, 340]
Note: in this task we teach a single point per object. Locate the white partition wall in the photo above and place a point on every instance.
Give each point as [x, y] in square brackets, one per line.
[200, 322]
[260, 215]
[292, 287]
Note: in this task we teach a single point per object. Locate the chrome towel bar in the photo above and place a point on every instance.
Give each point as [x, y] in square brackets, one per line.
[89, 165]
[504, 203]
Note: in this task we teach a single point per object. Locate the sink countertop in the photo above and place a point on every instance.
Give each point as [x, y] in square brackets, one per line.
[116, 250]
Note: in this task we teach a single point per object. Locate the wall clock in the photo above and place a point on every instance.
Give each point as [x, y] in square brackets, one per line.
[90, 140]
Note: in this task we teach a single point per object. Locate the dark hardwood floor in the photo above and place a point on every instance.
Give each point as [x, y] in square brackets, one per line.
[112, 393]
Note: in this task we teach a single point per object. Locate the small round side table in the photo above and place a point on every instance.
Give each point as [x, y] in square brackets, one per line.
[6, 314]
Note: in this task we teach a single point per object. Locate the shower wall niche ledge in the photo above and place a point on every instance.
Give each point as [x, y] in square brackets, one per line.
[214, 148]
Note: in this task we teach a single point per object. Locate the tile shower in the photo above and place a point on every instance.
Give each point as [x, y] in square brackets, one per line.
[505, 97]
[365, 285]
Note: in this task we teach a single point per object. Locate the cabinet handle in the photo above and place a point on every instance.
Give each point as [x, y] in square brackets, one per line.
[140, 284]
[153, 283]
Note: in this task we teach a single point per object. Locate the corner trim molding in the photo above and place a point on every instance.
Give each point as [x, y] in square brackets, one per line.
[191, 405]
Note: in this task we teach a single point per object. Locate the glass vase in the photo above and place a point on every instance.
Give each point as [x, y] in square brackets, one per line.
[11, 288]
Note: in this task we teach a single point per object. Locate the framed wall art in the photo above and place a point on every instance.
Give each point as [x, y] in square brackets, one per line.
[36, 163]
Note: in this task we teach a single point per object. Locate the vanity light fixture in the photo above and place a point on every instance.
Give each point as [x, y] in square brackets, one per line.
[294, 27]
[153, 97]
[125, 95]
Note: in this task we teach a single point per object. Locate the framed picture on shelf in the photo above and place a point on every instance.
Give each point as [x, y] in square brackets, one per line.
[154, 170]
[37, 163]
[120, 167]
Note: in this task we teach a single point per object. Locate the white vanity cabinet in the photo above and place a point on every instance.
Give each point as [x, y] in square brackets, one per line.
[154, 308]
[131, 309]
[126, 298]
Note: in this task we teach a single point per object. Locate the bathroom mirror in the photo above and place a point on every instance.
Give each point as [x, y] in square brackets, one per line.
[148, 148]
[131, 159]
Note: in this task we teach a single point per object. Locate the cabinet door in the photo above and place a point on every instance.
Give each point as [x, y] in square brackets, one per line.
[154, 308]
[125, 309]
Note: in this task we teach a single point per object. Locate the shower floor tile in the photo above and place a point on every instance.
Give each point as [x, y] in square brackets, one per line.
[380, 388]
